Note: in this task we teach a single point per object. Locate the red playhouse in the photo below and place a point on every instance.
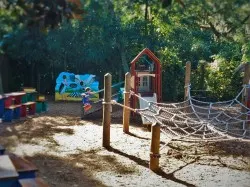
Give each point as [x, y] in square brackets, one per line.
[146, 78]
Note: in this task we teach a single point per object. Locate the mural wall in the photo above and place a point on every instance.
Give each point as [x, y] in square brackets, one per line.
[69, 86]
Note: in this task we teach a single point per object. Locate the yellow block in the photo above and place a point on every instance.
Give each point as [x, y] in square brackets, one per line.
[28, 89]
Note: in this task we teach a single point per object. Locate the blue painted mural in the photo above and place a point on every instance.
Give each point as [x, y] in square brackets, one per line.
[69, 86]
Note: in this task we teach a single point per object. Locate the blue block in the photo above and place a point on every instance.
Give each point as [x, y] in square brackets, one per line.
[2, 150]
[27, 174]
[8, 115]
[1, 107]
[17, 113]
[9, 183]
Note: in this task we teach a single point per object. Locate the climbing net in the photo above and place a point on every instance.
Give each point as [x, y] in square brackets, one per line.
[194, 120]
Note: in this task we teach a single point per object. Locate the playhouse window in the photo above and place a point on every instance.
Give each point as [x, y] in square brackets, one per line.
[144, 81]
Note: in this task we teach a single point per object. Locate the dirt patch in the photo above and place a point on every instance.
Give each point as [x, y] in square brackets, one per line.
[68, 152]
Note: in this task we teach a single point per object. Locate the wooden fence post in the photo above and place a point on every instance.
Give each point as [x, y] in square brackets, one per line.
[126, 112]
[106, 111]
[246, 79]
[187, 79]
[155, 147]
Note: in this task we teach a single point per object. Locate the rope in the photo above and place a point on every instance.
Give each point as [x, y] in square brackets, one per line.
[114, 102]
[194, 120]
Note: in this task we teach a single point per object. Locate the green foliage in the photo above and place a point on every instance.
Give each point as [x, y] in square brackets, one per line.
[222, 80]
[112, 32]
[246, 52]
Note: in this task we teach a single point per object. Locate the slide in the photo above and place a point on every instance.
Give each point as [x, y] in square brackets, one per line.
[144, 104]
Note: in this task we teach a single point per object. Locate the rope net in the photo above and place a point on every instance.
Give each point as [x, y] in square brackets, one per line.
[194, 120]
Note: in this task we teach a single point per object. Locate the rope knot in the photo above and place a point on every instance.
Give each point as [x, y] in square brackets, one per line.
[155, 155]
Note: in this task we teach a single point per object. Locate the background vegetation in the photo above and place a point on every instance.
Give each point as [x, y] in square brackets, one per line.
[41, 38]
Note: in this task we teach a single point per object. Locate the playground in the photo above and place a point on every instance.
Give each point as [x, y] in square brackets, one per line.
[124, 93]
[68, 152]
[189, 143]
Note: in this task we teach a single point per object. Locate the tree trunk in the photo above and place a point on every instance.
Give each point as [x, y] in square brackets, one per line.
[4, 74]
[146, 17]
[65, 62]
[38, 82]
[146, 10]
[202, 76]
[32, 80]
[125, 66]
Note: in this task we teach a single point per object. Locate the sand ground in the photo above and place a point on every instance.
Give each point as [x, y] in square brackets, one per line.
[68, 153]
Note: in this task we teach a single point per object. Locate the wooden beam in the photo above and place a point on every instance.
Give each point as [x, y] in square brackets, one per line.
[187, 79]
[155, 147]
[107, 110]
[246, 79]
[126, 112]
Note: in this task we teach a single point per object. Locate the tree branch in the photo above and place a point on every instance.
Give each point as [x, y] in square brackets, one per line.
[218, 34]
[236, 26]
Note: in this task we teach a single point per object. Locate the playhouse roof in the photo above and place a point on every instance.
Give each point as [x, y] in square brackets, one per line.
[149, 53]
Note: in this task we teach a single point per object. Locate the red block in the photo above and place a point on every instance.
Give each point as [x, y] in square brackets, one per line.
[23, 111]
[8, 102]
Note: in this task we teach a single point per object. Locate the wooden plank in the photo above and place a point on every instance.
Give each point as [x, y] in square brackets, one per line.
[15, 94]
[106, 111]
[187, 79]
[2, 96]
[29, 103]
[126, 112]
[155, 147]
[7, 169]
[41, 100]
[12, 106]
[22, 164]
[36, 182]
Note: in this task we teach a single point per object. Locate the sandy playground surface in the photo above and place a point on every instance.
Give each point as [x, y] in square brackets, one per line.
[68, 153]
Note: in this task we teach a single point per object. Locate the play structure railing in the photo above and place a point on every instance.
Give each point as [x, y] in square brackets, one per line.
[113, 86]
[97, 105]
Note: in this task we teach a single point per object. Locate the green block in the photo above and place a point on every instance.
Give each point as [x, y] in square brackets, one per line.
[30, 97]
[24, 99]
[39, 106]
[45, 106]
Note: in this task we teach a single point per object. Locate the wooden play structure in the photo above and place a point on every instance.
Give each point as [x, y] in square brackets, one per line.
[107, 108]
[146, 76]
[172, 118]
[144, 80]
[16, 171]
[21, 104]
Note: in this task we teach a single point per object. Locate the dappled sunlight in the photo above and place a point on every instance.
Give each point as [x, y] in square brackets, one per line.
[63, 171]
[73, 148]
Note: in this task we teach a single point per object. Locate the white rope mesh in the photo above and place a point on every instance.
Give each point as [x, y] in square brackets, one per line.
[194, 120]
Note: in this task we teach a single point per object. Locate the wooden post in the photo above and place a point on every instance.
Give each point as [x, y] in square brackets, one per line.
[155, 147]
[187, 79]
[106, 111]
[246, 79]
[126, 112]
